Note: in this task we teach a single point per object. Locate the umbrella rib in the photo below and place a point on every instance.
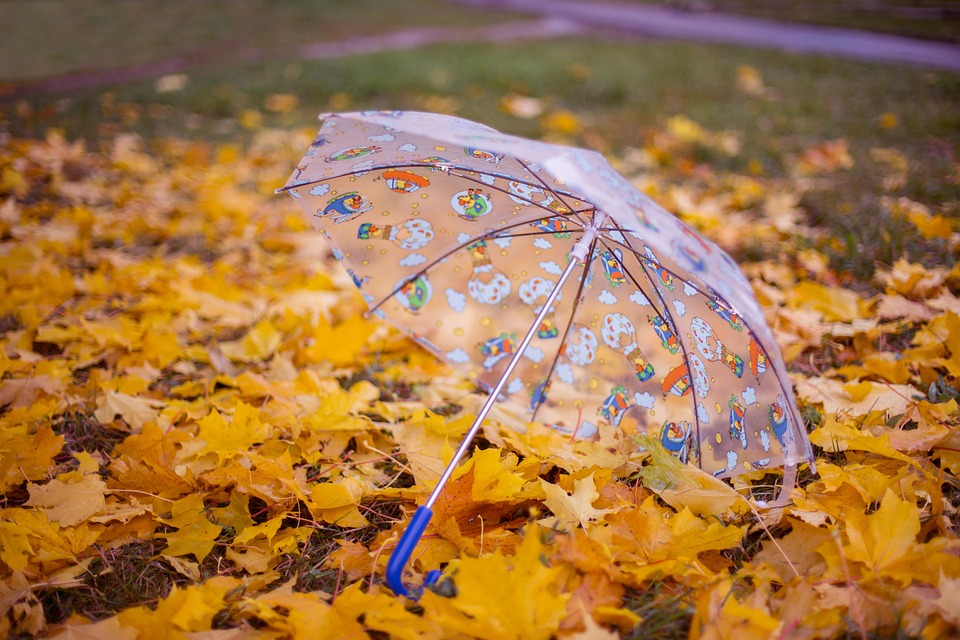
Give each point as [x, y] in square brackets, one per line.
[455, 170]
[587, 262]
[553, 214]
[717, 297]
[484, 236]
[553, 191]
[656, 263]
[436, 166]
[683, 348]
[636, 282]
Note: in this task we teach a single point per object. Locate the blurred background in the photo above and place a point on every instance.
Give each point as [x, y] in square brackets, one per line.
[846, 139]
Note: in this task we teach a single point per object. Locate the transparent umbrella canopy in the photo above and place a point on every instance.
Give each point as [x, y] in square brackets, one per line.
[541, 273]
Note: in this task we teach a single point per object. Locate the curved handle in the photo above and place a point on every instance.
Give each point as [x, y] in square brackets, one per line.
[401, 555]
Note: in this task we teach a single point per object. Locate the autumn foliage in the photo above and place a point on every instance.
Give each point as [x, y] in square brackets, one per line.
[202, 437]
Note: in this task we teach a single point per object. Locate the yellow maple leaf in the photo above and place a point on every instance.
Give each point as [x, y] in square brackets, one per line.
[236, 436]
[856, 398]
[495, 478]
[836, 435]
[184, 610]
[27, 456]
[352, 558]
[835, 304]
[259, 343]
[15, 549]
[49, 542]
[912, 280]
[384, 613]
[71, 500]
[195, 534]
[503, 597]
[648, 540]
[886, 537]
[720, 614]
[575, 509]
[342, 344]
[136, 411]
[160, 347]
[338, 502]
[685, 486]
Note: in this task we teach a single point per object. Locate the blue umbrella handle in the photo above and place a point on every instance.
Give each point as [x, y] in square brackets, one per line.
[404, 549]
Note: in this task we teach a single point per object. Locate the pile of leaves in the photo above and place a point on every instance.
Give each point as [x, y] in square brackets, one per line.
[202, 437]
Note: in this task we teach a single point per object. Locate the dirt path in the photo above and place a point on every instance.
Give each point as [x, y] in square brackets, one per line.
[658, 22]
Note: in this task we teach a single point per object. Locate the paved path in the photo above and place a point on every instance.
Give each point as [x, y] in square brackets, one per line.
[659, 22]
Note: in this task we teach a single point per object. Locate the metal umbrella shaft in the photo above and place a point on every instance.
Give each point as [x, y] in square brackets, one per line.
[413, 532]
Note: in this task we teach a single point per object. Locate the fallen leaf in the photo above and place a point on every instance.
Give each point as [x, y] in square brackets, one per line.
[573, 509]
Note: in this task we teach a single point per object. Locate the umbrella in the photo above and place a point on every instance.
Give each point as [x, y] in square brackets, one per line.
[542, 273]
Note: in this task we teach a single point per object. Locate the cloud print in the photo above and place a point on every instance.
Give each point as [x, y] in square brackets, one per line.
[702, 414]
[587, 430]
[565, 372]
[386, 137]
[607, 298]
[551, 267]
[362, 167]
[320, 190]
[457, 300]
[542, 243]
[749, 395]
[680, 307]
[514, 385]
[464, 237]
[412, 260]
[688, 289]
[486, 179]
[458, 355]
[639, 299]
[409, 148]
[503, 241]
[533, 354]
[644, 400]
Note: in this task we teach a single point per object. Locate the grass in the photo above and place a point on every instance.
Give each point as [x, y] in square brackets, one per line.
[50, 37]
[622, 97]
[927, 19]
[666, 610]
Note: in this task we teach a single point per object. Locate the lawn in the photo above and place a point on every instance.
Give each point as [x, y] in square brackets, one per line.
[202, 436]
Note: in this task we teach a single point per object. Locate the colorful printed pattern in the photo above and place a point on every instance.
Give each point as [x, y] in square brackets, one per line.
[458, 234]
